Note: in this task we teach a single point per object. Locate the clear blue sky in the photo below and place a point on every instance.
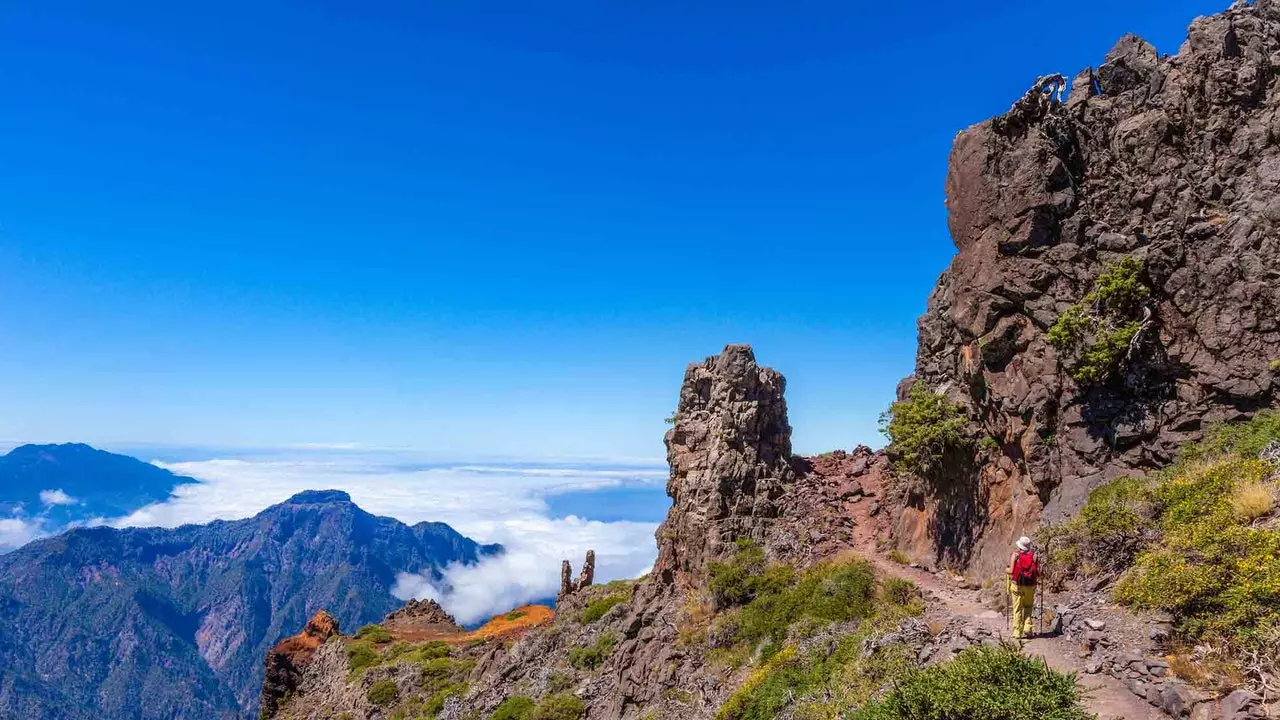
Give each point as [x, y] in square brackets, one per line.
[485, 228]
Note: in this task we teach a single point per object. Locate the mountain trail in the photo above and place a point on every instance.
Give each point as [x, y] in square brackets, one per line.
[1107, 696]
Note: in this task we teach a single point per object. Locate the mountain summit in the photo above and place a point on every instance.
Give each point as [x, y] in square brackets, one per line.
[156, 623]
[76, 482]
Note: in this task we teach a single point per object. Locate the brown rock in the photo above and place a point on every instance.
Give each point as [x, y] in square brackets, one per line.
[1170, 160]
[286, 661]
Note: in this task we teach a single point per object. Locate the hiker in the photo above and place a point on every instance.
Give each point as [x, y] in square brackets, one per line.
[1024, 572]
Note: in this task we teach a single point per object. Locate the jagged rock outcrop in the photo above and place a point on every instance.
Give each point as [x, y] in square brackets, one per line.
[287, 661]
[422, 611]
[731, 468]
[1173, 161]
[569, 586]
[730, 459]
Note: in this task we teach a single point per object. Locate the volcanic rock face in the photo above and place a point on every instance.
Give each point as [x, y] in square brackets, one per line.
[1172, 161]
[287, 661]
[730, 458]
[568, 585]
[427, 612]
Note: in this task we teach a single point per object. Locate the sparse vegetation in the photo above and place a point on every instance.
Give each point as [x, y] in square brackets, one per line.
[981, 682]
[516, 707]
[559, 707]
[897, 556]
[765, 600]
[600, 606]
[1275, 366]
[590, 657]
[823, 681]
[435, 703]
[443, 678]
[361, 654]
[383, 693]
[1194, 541]
[922, 428]
[373, 633]
[1093, 336]
[515, 615]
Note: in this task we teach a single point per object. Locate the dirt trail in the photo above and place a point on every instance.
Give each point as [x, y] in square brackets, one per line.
[1108, 697]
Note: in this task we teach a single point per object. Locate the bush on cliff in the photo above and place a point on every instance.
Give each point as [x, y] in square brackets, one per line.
[1093, 337]
[516, 707]
[590, 657]
[361, 654]
[981, 682]
[559, 707]
[600, 606]
[383, 693]
[922, 428]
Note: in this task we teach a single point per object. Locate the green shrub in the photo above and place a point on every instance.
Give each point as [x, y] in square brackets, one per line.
[597, 608]
[1119, 288]
[559, 682]
[373, 633]
[901, 593]
[770, 598]
[820, 683]
[1275, 366]
[361, 654]
[1193, 541]
[515, 615]
[1093, 336]
[559, 707]
[1070, 328]
[590, 657]
[1113, 526]
[981, 682]
[409, 652]
[516, 707]
[735, 582]
[1246, 439]
[383, 693]
[434, 704]
[922, 428]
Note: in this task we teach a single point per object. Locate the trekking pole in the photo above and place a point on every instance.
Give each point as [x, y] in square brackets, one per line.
[1040, 584]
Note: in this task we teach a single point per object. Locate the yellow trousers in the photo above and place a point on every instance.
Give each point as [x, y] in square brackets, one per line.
[1023, 601]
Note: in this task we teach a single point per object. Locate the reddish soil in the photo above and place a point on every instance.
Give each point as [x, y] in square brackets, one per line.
[509, 625]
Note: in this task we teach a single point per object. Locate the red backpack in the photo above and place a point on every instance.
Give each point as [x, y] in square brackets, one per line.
[1026, 571]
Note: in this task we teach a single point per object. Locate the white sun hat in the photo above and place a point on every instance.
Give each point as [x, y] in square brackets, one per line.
[1024, 543]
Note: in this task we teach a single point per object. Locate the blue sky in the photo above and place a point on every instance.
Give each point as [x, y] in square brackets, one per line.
[485, 229]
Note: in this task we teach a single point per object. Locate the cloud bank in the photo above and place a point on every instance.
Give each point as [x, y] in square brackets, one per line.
[489, 503]
[16, 532]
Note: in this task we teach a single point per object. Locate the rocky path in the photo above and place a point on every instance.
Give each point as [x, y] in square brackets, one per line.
[1107, 696]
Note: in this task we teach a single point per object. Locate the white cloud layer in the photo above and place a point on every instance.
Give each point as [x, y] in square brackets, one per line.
[16, 532]
[489, 503]
[56, 497]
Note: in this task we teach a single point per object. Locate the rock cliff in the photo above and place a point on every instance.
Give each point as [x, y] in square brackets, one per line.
[730, 458]
[1169, 163]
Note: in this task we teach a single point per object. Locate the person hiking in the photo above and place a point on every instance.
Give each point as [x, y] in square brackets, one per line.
[1024, 573]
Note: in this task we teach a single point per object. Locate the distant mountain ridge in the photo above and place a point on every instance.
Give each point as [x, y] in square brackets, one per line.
[83, 482]
[157, 623]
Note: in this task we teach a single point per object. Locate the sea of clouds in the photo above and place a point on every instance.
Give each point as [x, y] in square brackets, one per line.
[492, 502]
